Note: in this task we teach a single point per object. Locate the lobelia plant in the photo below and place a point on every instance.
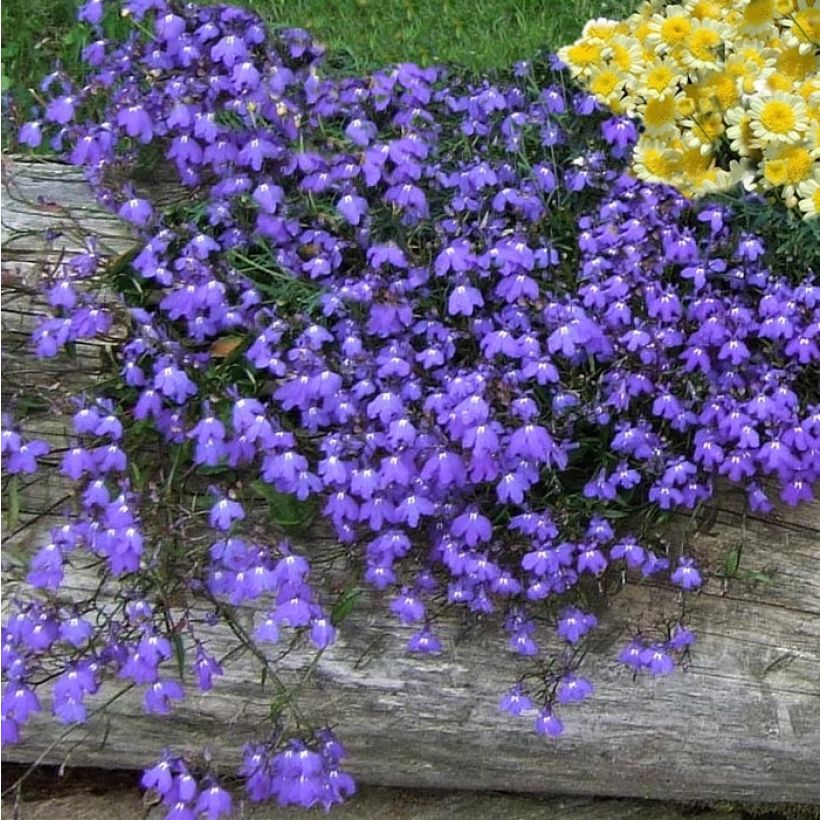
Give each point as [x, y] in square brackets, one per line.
[436, 309]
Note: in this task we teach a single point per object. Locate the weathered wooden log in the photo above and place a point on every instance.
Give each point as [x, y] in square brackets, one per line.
[741, 723]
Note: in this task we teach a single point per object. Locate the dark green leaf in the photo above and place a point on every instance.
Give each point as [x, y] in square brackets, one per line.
[287, 512]
[344, 606]
[179, 653]
[13, 503]
[278, 704]
[732, 563]
[754, 577]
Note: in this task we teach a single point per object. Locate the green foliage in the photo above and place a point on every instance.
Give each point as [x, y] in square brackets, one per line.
[792, 243]
[476, 34]
[732, 570]
[286, 512]
[345, 605]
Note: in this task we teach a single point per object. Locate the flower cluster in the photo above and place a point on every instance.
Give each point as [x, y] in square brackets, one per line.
[298, 774]
[727, 92]
[440, 311]
[295, 773]
[20, 455]
[185, 798]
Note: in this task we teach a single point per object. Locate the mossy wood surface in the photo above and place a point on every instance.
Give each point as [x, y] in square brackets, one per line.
[741, 723]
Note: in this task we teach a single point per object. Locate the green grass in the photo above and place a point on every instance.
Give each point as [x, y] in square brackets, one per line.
[476, 34]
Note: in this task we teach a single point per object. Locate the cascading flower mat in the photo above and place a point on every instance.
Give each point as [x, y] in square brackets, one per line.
[441, 311]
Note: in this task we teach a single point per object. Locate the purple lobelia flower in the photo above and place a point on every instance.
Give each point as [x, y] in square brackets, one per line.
[547, 723]
[686, 574]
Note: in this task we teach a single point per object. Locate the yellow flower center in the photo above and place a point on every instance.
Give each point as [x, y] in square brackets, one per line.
[693, 163]
[806, 25]
[605, 82]
[758, 12]
[753, 56]
[777, 117]
[659, 163]
[583, 54]
[774, 171]
[706, 10]
[795, 65]
[686, 107]
[660, 78]
[603, 30]
[622, 57]
[799, 165]
[725, 91]
[660, 112]
[780, 82]
[708, 128]
[675, 30]
[702, 44]
[641, 31]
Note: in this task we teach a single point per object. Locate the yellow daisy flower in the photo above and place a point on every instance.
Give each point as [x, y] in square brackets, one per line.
[582, 56]
[757, 18]
[802, 28]
[668, 31]
[779, 118]
[704, 9]
[704, 131]
[812, 136]
[601, 29]
[694, 98]
[640, 31]
[742, 140]
[788, 166]
[607, 84]
[660, 115]
[659, 77]
[773, 84]
[696, 170]
[724, 87]
[796, 64]
[749, 64]
[701, 49]
[809, 90]
[655, 161]
[625, 54]
[809, 194]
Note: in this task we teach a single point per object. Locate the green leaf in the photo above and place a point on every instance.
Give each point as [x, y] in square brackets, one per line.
[754, 577]
[136, 475]
[344, 606]
[732, 562]
[179, 653]
[287, 512]
[204, 469]
[12, 510]
[278, 704]
[610, 513]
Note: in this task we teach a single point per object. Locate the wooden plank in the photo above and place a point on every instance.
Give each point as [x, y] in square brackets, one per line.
[742, 723]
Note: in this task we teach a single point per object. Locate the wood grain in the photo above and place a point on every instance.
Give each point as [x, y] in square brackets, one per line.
[742, 723]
